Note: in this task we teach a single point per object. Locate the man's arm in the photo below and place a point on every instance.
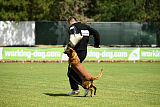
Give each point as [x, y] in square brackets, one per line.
[95, 35]
[74, 37]
[72, 30]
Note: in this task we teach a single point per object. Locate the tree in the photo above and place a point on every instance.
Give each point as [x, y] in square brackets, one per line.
[84, 10]
[38, 10]
[13, 10]
[126, 10]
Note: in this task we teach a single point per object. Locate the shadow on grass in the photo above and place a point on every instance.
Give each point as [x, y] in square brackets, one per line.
[51, 94]
[56, 95]
[78, 96]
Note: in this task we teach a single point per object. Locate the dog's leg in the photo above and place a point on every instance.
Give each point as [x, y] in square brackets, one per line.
[95, 89]
[90, 89]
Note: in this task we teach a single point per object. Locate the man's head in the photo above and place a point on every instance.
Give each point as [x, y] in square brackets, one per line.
[72, 20]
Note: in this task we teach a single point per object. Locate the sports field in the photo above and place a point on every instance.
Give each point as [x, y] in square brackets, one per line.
[46, 85]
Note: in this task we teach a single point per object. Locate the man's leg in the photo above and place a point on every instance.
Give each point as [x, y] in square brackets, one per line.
[74, 80]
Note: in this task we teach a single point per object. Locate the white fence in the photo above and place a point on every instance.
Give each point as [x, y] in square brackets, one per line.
[17, 33]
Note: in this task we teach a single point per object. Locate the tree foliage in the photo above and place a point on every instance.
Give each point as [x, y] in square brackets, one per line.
[84, 10]
[128, 10]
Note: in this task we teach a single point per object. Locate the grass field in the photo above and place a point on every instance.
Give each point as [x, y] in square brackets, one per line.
[46, 85]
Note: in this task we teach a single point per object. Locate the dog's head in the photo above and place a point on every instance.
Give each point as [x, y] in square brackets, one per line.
[69, 51]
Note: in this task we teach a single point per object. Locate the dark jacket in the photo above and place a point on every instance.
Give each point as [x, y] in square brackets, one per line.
[85, 31]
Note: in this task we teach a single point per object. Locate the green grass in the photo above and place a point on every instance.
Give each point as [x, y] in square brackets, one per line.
[46, 85]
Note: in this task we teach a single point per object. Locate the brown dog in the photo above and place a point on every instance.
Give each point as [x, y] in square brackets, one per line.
[87, 79]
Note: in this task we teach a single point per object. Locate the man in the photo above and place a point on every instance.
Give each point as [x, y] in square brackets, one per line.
[81, 49]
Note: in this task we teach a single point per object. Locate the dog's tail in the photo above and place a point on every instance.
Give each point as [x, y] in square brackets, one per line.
[95, 78]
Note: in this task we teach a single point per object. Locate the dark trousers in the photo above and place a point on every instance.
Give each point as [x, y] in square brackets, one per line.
[74, 78]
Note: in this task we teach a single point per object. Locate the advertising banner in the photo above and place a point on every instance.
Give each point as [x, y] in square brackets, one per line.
[113, 54]
[33, 53]
[21, 53]
[1, 55]
[150, 53]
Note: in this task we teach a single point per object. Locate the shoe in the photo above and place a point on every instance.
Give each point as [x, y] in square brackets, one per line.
[85, 93]
[74, 92]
